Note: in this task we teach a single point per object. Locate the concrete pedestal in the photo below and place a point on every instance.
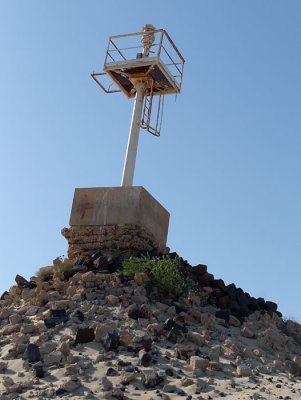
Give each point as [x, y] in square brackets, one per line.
[121, 221]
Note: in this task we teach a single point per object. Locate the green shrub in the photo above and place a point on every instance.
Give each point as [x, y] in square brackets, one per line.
[135, 265]
[164, 273]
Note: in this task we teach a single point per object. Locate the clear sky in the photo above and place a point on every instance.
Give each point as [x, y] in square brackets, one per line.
[227, 165]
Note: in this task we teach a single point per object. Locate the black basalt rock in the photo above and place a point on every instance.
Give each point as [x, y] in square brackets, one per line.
[57, 317]
[85, 335]
[32, 353]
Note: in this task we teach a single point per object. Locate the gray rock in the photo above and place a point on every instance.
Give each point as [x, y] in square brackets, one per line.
[187, 381]
[243, 370]
[53, 358]
[169, 388]
[112, 300]
[141, 278]
[28, 328]
[3, 366]
[145, 311]
[32, 311]
[110, 341]
[293, 368]
[197, 362]
[71, 386]
[196, 338]
[247, 332]
[106, 384]
[118, 394]
[15, 319]
[151, 379]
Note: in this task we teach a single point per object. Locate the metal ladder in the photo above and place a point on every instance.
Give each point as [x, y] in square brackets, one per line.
[147, 111]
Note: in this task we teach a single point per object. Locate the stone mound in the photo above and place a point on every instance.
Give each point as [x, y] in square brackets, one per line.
[89, 332]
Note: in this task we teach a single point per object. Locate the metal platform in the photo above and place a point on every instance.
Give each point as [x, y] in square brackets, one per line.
[124, 64]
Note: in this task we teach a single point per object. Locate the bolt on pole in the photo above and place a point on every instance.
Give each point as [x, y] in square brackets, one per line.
[132, 146]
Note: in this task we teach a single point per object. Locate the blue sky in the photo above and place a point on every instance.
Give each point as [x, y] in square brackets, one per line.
[227, 165]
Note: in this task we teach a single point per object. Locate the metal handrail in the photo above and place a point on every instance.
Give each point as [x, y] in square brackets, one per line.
[117, 49]
[164, 33]
[170, 58]
[134, 47]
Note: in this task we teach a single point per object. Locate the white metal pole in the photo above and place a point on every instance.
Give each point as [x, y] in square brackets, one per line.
[131, 151]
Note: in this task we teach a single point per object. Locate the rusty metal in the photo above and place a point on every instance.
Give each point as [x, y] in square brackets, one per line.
[118, 50]
[95, 74]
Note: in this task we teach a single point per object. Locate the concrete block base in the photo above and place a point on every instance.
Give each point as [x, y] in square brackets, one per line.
[118, 221]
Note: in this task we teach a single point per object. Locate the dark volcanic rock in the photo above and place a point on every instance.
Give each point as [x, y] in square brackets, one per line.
[174, 335]
[170, 323]
[223, 314]
[59, 314]
[57, 317]
[271, 306]
[32, 353]
[169, 372]
[101, 263]
[85, 335]
[253, 306]
[123, 363]
[133, 311]
[110, 341]
[24, 283]
[60, 392]
[243, 298]
[231, 291]
[78, 314]
[39, 370]
[261, 303]
[234, 307]
[197, 272]
[4, 295]
[112, 372]
[144, 358]
[220, 284]
[223, 302]
[80, 268]
[69, 274]
[199, 269]
[180, 307]
[207, 278]
[94, 257]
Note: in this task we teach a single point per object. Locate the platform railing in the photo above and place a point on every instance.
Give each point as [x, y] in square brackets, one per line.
[120, 48]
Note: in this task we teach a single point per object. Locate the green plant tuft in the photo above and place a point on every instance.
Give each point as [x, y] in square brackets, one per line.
[164, 274]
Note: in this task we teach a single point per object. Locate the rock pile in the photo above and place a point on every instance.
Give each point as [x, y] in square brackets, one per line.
[91, 333]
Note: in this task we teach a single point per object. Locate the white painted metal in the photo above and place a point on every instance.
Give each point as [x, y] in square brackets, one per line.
[156, 71]
[131, 151]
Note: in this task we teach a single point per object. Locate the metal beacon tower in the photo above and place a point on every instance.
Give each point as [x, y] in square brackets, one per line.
[126, 221]
[144, 65]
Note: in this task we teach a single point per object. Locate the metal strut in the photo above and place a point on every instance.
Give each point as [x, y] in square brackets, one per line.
[146, 122]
